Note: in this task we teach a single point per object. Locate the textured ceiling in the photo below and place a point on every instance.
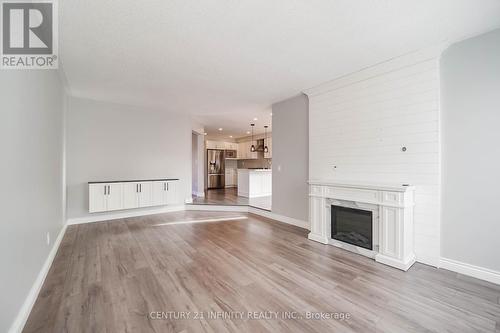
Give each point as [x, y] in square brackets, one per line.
[215, 57]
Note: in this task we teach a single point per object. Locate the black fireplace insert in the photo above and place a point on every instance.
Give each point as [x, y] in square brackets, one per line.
[353, 226]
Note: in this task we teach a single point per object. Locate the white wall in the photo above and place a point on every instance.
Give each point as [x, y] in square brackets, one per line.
[194, 162]
[31, 139]
[290, 158]
[360, 122]
[198, 164]
[471, 154]
[116, 142]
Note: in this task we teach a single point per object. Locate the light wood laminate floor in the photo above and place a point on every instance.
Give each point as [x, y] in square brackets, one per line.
[110, 277]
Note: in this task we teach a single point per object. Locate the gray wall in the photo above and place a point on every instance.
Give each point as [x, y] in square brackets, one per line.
[470, 83]
[291, 157]
[31, 139]
[116, 142]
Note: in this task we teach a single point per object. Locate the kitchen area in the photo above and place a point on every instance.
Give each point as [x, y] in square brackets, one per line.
[238, 172]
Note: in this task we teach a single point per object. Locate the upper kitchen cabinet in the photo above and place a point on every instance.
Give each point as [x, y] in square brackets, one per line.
[231, 146]
[211, 144]
[269, 143]
[244, 152]
[215, 144]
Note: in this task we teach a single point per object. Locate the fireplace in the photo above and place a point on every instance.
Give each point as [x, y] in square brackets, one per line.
[353, 226]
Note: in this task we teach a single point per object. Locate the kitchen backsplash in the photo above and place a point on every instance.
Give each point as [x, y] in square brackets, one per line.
[260, 162]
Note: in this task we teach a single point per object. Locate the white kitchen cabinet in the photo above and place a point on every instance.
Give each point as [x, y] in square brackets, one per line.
[244, 152]
[267, 182]
[210, 144]
[105, 197]
[255, 182]
[231, 177]
[269, 143]
[230, 146]
[241, 150]
[128, 195]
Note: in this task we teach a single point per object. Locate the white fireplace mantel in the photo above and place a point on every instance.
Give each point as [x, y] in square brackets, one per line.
[392, 206]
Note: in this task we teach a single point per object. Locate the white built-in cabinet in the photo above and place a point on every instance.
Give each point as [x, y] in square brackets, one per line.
[105, 197]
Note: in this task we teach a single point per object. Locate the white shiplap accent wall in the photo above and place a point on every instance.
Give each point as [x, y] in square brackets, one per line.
[360, 122]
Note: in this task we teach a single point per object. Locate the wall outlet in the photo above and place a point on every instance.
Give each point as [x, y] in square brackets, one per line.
[48, 238]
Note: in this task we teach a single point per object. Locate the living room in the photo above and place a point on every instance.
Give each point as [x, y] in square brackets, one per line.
[250, 166]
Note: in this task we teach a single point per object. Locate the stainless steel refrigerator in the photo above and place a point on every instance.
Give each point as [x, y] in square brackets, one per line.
[215, 168]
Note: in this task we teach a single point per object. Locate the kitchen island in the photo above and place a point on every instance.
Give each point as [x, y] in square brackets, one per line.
[254, 183]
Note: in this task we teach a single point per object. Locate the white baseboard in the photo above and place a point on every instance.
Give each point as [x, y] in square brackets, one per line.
[18, 324]
[199, 194]
[278, 217]
[402, 265]
[123, 214]
[219, 208]
[471, 270]
[317, 238]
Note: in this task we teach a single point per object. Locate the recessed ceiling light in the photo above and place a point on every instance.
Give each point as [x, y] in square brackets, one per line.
[230, 136]
[271, 114]
[205, 133]
[220, 128]
[255, 119]
[248, 132]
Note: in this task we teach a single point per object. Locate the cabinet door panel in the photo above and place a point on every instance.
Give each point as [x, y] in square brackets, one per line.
[115, 196]
[172, 193]
[267, 183]
[145, 194]
[97, 198]
[130, 195]
[159, 193]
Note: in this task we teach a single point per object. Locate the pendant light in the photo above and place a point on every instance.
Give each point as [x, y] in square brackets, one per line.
[266, 150]
[252, 149]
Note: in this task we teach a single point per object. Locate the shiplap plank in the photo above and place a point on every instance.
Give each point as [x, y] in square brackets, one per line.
[360, 122]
